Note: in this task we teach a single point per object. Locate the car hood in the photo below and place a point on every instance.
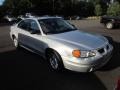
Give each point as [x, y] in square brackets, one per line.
[79, 38]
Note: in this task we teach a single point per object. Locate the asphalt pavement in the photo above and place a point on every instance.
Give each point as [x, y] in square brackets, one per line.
[21, 69]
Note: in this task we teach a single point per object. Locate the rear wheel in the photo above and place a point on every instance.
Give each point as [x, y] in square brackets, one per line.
[54, 60]
[109, 25]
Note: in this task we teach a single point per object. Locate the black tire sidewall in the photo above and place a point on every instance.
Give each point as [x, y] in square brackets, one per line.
[59, 60]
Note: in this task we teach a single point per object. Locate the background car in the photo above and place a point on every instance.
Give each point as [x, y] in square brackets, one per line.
[10, 18]
[110, 21]
[117, 87]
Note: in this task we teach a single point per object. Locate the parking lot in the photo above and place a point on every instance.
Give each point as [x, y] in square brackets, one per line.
[23, 69]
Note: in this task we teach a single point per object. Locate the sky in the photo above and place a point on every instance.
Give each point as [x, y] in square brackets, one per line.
[1, 1]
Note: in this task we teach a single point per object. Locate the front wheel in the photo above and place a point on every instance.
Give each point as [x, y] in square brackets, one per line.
[109, 25]
[55, 61]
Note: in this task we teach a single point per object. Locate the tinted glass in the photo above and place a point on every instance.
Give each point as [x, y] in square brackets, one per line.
[55, 25]
[33, 25]
[24, 25]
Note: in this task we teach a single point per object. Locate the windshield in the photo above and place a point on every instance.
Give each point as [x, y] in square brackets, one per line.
[55, 26]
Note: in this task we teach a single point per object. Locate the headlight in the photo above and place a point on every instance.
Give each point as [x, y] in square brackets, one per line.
[83, 54]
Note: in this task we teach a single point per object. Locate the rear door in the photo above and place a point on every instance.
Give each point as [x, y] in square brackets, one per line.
[28, 39]
[24, 32]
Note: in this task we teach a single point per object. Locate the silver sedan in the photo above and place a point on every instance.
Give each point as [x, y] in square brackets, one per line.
[62, 44]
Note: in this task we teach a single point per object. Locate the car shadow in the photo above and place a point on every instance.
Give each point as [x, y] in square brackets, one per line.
[115, 60]
[24, 70]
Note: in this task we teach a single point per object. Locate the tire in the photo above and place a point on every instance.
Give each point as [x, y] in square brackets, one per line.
[54, 61]
[109, 25]
[16, 44]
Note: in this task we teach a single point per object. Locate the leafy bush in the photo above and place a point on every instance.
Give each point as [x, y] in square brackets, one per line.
[98, 10]
[114, 9]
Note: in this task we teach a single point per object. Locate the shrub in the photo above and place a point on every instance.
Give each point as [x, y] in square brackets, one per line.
[114, 9]
[98, 10]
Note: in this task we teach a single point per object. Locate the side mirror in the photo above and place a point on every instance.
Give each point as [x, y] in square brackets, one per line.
[73, 25]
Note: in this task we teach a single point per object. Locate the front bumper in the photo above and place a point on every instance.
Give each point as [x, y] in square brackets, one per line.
[96, 63]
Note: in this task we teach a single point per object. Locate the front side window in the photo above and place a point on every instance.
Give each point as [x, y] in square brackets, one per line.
[34, 25]
[24, 25]
[55, 25]
[29, 25]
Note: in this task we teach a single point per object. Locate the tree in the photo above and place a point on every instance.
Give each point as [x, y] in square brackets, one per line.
[90, 9]
[54, 7]
[16, 7]
[114, 9]
[10, 5]
[103, 4]
[22, 7]
[118, 1]
[98, 10]
[1, 12]
[95, 1]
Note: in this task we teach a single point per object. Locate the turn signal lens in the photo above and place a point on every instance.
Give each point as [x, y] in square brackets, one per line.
[76, 53]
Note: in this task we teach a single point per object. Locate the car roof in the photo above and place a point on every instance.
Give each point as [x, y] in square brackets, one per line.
[43, 17]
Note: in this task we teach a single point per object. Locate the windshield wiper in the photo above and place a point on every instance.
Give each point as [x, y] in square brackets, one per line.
[57, 32]
[49, 32]
[68, 30]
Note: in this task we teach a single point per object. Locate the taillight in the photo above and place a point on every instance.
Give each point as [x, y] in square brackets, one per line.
[118, 85]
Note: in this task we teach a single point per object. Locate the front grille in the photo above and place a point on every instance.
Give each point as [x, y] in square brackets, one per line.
[101, 50]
